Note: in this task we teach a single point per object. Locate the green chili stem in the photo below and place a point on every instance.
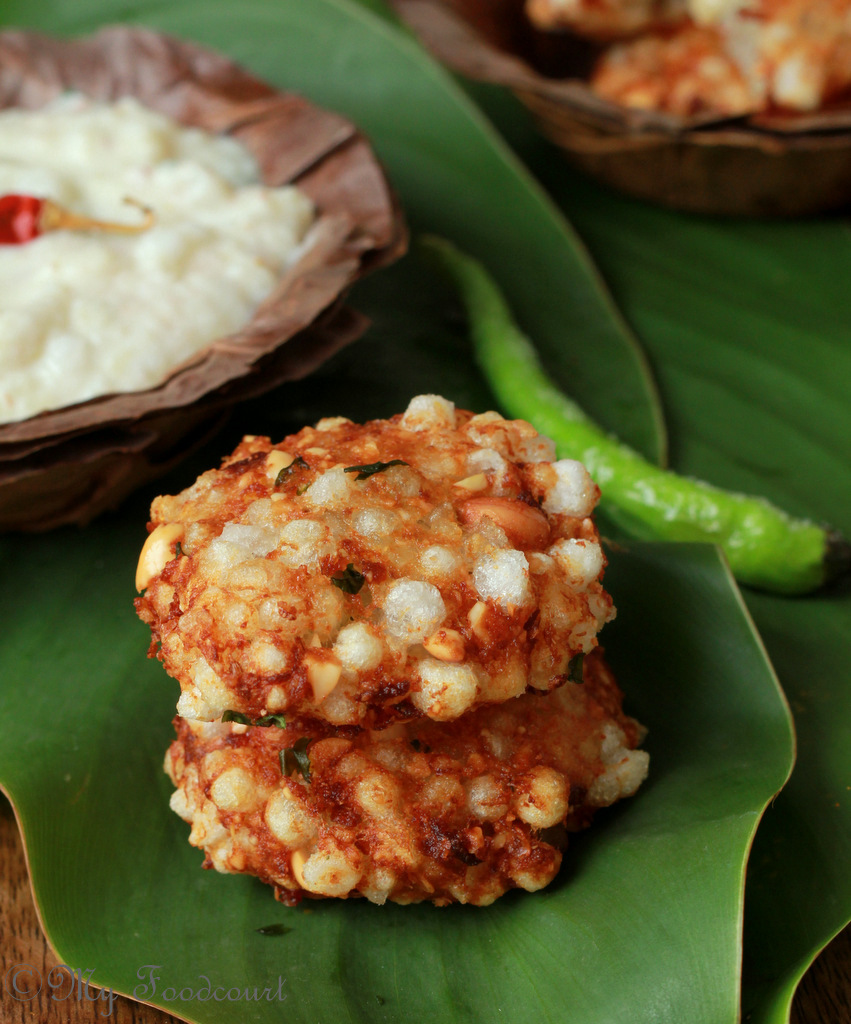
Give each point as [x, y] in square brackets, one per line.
[766, 547]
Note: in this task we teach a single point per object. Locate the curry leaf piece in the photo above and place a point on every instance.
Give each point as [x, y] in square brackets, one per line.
[263, 722]
[350, 580]
[575, 671]
[365, 472]
[295, 761]
[277, 720]
[236, 716]
[284, 474]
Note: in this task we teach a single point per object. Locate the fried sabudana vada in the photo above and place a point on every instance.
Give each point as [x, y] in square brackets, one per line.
[422, 565]
[442, 811]
[386, 641]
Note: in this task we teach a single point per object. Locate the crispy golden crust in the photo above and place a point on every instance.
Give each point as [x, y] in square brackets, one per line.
[473, 558]
[735, 58]
[447, 812]
[687, 72]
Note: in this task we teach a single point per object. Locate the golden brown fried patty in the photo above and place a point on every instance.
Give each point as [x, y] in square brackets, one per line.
[458, 811]
[365, 574]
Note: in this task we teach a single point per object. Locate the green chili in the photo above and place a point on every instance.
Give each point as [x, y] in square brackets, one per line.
[766, 547]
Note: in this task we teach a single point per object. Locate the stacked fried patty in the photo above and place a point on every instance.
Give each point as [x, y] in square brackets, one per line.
[379, 633]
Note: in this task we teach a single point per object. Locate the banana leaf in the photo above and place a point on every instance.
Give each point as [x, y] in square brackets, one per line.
[747, 326]
[645, 922]
[757, 367]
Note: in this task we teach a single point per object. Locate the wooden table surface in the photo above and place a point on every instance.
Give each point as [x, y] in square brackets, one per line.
[823, 998]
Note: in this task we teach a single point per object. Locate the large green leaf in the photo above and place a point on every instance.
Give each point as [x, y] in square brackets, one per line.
[644, 925]
[754, 361]
[748, 326]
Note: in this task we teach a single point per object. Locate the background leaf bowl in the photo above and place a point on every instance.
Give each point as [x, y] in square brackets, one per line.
[766, 164]
[646, 921]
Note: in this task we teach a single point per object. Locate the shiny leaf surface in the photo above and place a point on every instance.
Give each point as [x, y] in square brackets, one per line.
[644, 924]
[747, 327]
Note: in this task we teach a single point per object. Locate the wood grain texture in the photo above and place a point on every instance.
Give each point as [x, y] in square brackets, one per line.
[22, 943]
[823, 998]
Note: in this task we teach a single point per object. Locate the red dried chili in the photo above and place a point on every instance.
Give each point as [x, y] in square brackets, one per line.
[19, 217]
[23, 218]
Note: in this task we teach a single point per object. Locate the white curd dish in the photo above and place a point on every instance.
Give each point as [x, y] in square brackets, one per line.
[137, 344]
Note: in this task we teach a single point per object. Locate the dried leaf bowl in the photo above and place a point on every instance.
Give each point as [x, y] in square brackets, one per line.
[764, 165]
[68, 465]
